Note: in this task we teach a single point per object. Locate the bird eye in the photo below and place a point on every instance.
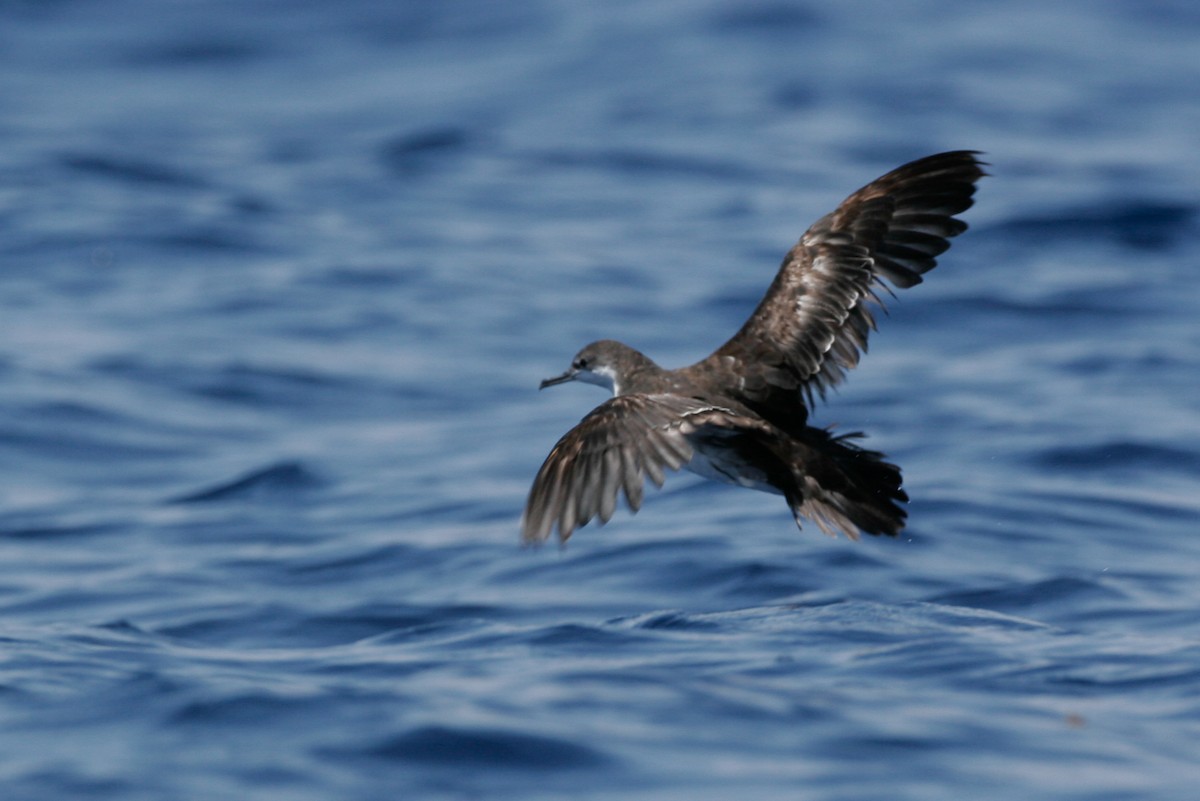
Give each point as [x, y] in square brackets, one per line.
[580, 364]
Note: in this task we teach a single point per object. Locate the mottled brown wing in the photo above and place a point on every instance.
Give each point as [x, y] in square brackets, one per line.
[813, 323]
[613, 450]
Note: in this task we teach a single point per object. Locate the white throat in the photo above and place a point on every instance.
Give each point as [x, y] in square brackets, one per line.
[602, 376]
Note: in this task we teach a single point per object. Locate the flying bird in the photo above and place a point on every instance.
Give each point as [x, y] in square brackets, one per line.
[740, 416]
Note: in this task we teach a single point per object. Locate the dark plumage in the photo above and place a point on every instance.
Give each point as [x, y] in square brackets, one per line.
[740, 415]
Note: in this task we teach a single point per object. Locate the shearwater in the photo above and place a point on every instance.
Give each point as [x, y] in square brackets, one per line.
[741, 415]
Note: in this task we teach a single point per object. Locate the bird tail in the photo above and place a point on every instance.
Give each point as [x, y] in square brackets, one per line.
[845, 488]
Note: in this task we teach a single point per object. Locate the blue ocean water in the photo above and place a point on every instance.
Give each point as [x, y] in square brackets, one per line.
[278, 282]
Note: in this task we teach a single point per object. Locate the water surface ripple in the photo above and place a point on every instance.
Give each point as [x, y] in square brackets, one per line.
[278, 283]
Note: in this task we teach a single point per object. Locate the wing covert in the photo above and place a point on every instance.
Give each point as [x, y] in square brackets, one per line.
[613, 450]
[814, 321]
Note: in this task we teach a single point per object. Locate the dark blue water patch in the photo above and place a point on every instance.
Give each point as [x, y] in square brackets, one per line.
[906, 100]
[629, 278]
[226, 625]
[418, 152]
[97, 598]
[1080, 305]
[670, 621]
[999, 317]
[736, 303]
[1121, 668]
[244, 204]
[1151, 678]
[642, 163]
[948, 654]
[123, 628]
[367, 277]
[1142, 225]
[335, 564]
[1043, 595]
[447, 24]
[863, 623]
[1119, 456]
[296, 389]
[750, 581]
[1156, 360]
[257, 385]
[865, 557]
[67, 429]
[1178, 17]
[383, 624]
[554, 640]
[442, 511]
[391, 623]
[975, 619]
[881, 748]
[229, 239]
[14, 529]
[697, 569]
[117, 638]
[1029, 522]
[103, 255]
[123, 665]
[71, 783]
[265, 569]
[796, 95]
[610, 560]
[59, 253]
[69, 412]
[212, 50]
[768, 19]
[289, 479]
[85, 441]
[578, 638]
[241, 709]
[1112, 507]
[483, 748]
[135, 171]
[35, 9]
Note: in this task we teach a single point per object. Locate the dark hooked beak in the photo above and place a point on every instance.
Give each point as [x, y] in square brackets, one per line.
[558, 379]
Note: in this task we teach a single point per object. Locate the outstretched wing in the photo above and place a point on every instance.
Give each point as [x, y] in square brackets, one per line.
[813, 323]
[613, 450]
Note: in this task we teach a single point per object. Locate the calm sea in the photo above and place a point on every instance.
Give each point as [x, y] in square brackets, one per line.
[278, 281]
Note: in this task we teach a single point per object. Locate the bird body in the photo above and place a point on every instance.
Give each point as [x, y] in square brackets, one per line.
[741, 415]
